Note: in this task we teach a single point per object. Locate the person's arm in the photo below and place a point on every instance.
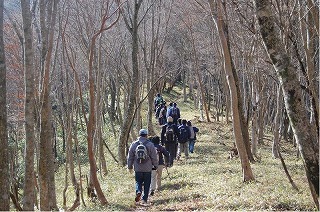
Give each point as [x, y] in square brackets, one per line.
[130, 157]
[163, 130]
[154, 156]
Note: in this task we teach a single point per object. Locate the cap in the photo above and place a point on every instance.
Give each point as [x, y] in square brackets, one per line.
[169, 119]
[143, 132]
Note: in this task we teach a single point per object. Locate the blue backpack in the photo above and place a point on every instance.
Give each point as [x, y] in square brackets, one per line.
[183, 134]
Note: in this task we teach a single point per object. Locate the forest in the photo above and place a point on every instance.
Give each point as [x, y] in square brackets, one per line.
[78, 80]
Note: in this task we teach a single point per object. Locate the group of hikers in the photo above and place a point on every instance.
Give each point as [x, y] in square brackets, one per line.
[148, 156]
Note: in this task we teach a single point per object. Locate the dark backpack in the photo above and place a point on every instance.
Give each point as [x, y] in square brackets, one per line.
[183, 134]
[174, 112]
[169, 133]
[141, 152]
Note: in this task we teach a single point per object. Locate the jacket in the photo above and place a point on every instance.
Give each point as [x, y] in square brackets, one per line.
[145, 166]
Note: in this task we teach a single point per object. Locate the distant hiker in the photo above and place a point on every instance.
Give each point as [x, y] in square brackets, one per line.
[142, 156]
[169, 133]
[158, 100]
[175, 113]
[183, 139]
[157, 173]
[169, 109]
[158, 109]
[193, 136]
[162, 115]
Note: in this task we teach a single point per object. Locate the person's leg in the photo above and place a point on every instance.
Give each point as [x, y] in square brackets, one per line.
[186, 149]
[153, 183]
[147, 181]
[139, 181]
[159, 175]
[191, 146]
[179, 151]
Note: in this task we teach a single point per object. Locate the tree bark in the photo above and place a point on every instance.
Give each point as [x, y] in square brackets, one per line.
[46, 161]
[29, 180]
[4, 159]
[245, 163]
[304, 132]
[127, 122]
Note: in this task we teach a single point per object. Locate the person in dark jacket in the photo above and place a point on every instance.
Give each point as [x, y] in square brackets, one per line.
[157, 173]
[193, 136]
[170, 145]
[142, 168]
[183, 139]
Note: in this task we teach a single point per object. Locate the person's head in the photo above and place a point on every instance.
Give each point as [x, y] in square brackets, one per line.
[143, 133]
[189, 123]
[158, 94]
[169, 119]
[184, 122]
[155, 140]
[170, 104]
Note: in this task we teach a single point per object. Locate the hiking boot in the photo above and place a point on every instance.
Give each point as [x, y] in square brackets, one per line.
[144, 203]
[138, 196]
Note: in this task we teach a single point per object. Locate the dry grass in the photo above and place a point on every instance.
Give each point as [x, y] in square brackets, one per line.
[209, 181]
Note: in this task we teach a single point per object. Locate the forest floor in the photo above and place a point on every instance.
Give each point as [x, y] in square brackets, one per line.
[211, 181]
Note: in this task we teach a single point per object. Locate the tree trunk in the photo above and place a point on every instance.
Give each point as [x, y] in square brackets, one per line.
[4, 150]
[276, 137]
[46, 161]
[127, 122]
[245, 163]
[29, 187]
[304, 132]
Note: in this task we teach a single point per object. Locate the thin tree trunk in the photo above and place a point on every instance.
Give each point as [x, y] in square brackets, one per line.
[4, 150]
[304, 132]
[275, 144]
[128, 120]
[245, 163]
[28, 189]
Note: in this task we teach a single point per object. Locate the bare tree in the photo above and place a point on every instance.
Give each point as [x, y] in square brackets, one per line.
[132, 24]
[29, 186]
[217, 8]
[304, 132]
[4, 162]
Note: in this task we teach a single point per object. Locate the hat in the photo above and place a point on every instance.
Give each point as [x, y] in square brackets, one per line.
[169, 119]
[143, 132]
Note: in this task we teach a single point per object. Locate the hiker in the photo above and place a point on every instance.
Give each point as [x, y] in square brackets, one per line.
[158, 109]
[162, 115]
[183, 139]
[158, 100]
[169, 133]
[157, 173]
[142, 156]
[175, 113]
[193, 136]
[169, 109]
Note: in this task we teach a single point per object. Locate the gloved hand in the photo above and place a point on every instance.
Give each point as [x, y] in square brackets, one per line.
[130, 171]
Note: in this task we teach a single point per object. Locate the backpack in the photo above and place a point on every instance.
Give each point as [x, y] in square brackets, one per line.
[169, 133]
[174, 112]
[141, 152]
[183, 134]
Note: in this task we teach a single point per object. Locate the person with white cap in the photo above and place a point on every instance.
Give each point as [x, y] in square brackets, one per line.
[142, 157]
